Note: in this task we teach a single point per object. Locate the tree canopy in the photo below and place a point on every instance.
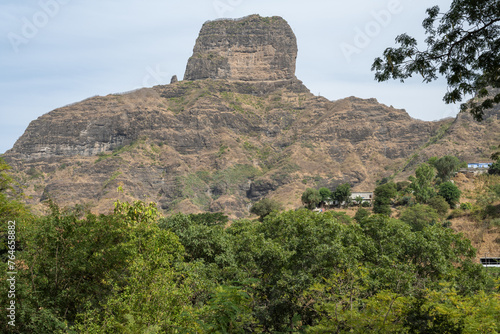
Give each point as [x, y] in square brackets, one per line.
[421, 184]
[326, 194]
[311, 198]
[383, 195]
[462, 45]
[446, 166]
[450, 192]
[343, 193]
[265, 206]
[136, 271]
[495, 168]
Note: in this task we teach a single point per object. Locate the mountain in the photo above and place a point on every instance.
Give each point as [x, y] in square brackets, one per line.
[238, 128]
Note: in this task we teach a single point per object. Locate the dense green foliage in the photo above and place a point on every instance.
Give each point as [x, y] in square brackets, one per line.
[209, 218]
[463, 47]
[361, 214]
[342, 193]
[326, 194]
[311, 198]
[133, 271]
[450, 192]
[494, 168]
[265, 206]
[419, 216]
[383, 196]
[431, 185]
[421, 184]
[446, 166]
[341, 196]
[439, 204]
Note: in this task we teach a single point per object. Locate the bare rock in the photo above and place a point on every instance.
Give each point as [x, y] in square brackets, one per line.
[253, 48]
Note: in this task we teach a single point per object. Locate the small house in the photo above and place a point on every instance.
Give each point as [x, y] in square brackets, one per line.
[366, 196]
[490, 261]
[482, 165]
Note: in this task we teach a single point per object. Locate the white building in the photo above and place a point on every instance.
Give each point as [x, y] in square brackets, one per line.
[366, 196]
[479, 164]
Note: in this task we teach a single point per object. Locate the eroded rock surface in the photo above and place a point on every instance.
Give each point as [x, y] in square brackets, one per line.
[253, 48]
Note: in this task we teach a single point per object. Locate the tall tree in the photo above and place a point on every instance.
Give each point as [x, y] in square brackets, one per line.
[421, 184]
[326, 194]
[311, 198]
[462, 45]
[343, 193]
[383, 195]
[446, 166]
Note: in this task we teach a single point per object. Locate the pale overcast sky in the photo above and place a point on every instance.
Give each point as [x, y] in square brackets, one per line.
[56, 52]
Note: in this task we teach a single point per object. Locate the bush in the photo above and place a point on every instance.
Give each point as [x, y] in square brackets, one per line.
[419, 216]
[450, 192]
[365, 204]
[466, 206]
[402, 185]
[492, 211]
[446, 223]
[456, 213]
[406, 201]
[361, 214]
[439, 204]
[495, 222]
[264, 207]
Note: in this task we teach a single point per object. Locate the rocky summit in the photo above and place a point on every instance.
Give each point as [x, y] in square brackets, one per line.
[252, 48]
[238, 128]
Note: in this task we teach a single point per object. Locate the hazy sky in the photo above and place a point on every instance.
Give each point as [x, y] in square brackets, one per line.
[56, 52]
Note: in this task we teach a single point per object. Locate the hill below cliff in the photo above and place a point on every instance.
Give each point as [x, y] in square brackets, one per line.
[238, 128]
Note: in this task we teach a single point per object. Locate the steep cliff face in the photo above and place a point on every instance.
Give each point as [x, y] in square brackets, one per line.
[253, 48]
[86, 128]
[232, 132]
[211, 145]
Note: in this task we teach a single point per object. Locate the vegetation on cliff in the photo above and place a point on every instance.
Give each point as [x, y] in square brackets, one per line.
[136, 271]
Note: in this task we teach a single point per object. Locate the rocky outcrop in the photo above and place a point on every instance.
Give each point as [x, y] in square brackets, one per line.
[253, 48]
[240, 127]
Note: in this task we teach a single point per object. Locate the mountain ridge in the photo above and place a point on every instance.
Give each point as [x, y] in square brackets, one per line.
[220, 143]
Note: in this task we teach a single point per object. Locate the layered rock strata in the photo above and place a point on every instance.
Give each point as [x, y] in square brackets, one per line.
[253, 48]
